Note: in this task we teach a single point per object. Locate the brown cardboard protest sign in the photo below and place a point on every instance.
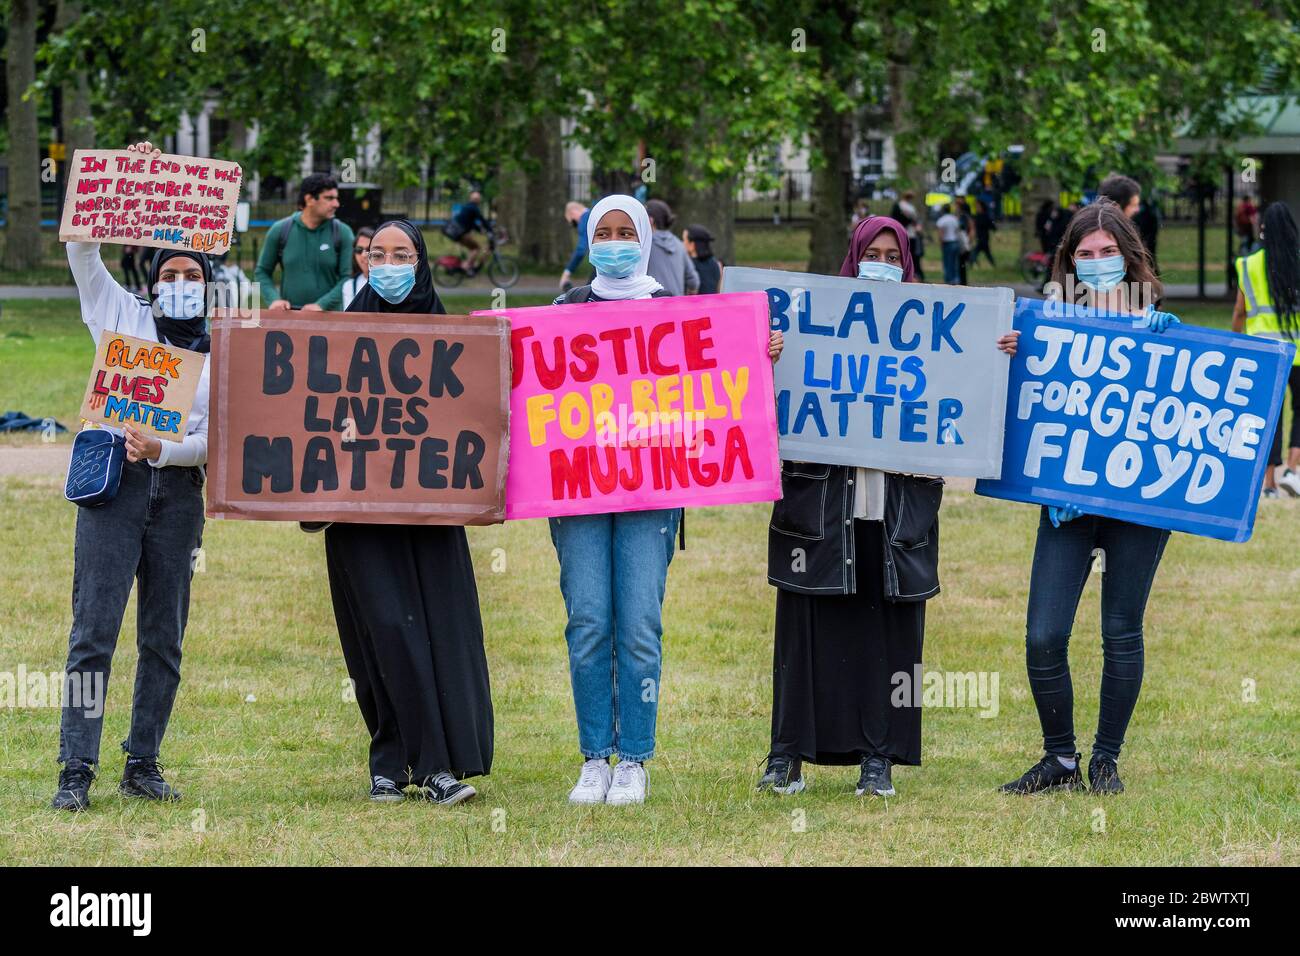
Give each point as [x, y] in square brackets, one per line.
[130, 198]
[142, 383]
[385, 418]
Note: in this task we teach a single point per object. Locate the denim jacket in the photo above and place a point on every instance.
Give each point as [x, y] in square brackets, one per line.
[810, 542]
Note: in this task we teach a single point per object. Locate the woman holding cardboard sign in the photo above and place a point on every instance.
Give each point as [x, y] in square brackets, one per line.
[854, 554]
[148, 532]
[406, 603]
[1101, 248]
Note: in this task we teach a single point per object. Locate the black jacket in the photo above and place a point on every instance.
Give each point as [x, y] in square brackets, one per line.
[810, 542]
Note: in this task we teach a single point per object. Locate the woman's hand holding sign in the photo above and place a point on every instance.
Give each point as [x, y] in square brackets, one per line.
[141, 447]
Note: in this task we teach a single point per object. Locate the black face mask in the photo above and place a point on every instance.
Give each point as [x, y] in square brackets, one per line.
[573, 223]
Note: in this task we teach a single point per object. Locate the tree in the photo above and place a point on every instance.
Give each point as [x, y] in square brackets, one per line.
[23, 225]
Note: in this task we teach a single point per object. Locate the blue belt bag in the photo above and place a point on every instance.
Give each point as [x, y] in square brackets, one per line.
[95, 470]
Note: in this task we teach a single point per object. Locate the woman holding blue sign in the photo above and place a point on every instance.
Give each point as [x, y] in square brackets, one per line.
[148, 531]
[1099, 251]
[854, 555]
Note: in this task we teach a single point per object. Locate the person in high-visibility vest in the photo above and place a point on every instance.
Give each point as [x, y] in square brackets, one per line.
[1268, 305]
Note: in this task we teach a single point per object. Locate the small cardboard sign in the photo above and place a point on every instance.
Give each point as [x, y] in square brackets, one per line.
[147, 385]
[174, 202]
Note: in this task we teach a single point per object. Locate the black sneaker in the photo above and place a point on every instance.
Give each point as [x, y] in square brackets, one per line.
[74, 786]
[1048, 774]
[875, 780]
[384, 790]
[1103, 775]
[784, 775]
[142, 777]
[445, 789]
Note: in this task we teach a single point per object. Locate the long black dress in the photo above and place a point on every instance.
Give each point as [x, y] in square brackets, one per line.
[408, 617]
[407, 610]
[834, 664]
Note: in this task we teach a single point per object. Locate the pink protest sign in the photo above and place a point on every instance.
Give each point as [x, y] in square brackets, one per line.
[641, 404]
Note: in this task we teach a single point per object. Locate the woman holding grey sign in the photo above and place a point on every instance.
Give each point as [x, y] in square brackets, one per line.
[1099, 251]
[149, 532]
[854, 555]
[406, 603]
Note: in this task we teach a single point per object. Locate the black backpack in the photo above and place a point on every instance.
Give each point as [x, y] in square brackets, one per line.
[285, 224]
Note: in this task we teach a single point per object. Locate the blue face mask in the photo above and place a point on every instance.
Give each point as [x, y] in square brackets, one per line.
[882, 271]
[181, 299]
[1102, 275]
[394, 283]
[615, 259]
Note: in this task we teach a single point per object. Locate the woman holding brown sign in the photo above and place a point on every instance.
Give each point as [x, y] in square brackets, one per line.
[149, 532]
[406, 603]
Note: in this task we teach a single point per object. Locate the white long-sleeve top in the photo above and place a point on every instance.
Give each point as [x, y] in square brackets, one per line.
[106, 305]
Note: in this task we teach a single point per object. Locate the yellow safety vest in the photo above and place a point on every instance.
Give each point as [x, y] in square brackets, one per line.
[1261, 318]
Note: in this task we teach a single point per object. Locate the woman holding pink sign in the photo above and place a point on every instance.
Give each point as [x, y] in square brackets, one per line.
[614, 567]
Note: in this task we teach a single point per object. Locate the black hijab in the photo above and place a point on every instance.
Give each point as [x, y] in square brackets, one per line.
[422, 299]
[189, 334]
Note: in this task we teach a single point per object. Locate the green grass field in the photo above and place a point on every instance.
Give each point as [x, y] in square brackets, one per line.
[271, 755]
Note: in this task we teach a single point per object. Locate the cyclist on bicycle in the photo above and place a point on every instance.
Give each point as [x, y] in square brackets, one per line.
[466, 218]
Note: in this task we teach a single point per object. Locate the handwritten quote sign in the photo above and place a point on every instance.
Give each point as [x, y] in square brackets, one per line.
[176, 202]
[368, 417]
[641, 404]
[901, 377]
[142, 383]
[1168, 430]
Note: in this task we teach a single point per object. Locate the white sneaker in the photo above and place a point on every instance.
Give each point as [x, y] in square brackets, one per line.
[1290, 483]
[630, 784]
[593, 783]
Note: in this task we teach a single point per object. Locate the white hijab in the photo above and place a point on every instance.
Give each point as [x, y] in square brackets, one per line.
[638, 285]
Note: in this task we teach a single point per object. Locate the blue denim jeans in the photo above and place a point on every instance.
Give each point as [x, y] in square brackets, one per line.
[951, 262]
[613, 571]
[147, 534]
[1062, 560]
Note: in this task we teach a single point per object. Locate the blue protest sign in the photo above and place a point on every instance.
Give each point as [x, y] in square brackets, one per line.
[897, 376]
[1168, 430]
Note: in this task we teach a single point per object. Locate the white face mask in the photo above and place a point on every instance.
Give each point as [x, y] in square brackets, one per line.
[882, 271]
[182, 299]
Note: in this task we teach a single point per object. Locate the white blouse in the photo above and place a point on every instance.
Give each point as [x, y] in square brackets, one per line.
[106, 305]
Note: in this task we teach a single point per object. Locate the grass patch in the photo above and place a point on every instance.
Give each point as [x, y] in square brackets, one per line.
[282, 779]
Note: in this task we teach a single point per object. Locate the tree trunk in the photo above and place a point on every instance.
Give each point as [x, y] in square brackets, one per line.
[23, 229]
[547, 238]
[832, 138]
[713, 207]
[913, 173]
[77, 122]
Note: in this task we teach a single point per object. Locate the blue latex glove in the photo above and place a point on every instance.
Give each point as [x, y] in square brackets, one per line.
[1060, 514]
[1155, 320]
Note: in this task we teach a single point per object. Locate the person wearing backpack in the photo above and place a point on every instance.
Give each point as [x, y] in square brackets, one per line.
[313, 250]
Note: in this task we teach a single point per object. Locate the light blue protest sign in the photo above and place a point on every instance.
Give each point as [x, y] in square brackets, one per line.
[1168, 430]
[897, 376]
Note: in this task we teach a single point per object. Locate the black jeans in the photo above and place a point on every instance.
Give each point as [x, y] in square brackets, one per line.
[150, 533]
[1275, 457]
[1062, 560]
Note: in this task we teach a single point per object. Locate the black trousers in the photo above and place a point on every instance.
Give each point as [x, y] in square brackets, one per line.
[407, 611]
[835, 665]
[149, 536]
[1276, 457]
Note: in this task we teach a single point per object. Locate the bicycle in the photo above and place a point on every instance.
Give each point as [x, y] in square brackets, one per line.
[503, 271]
[1034, 266]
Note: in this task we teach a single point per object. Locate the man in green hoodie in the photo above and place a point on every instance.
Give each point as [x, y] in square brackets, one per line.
[316, 256]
